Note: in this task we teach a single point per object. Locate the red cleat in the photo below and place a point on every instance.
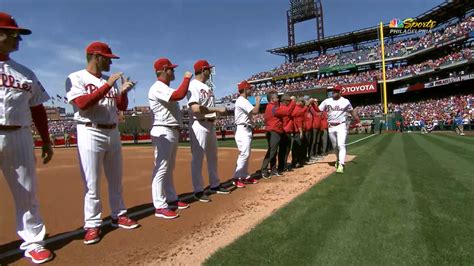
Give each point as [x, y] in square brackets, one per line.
[39, 255]
[92, 236]
[238, 183]
[182, 205]
[166, 213]
[250, 180]
[124, 222]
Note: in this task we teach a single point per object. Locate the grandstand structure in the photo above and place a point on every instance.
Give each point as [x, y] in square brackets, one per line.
[432, 62]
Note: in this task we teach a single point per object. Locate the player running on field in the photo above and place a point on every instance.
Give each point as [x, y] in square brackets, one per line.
[336, 108]
[243, 135]
[165, 136]
[21, 102]
[96, 100]
[203, 114]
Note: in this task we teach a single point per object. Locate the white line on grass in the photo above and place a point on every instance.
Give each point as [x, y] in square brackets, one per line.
[364, 138]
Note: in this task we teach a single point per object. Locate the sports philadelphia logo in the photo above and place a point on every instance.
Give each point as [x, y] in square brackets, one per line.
[410, 25]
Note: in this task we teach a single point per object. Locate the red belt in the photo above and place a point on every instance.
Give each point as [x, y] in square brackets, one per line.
[101, 126]
[335, 124]
[8, 128]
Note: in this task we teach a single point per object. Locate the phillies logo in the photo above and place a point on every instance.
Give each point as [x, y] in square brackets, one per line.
[90, 88]
[205, 94]
[9, 81]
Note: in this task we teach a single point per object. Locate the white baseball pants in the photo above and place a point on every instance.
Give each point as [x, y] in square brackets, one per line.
[97, 147]
[203, 141]
[337, 135]
[165, 141]
[243, 138]
[17, 161]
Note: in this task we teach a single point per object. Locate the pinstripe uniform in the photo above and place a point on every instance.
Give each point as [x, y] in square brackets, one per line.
[20, 90]
[203, 135]
[97, 146]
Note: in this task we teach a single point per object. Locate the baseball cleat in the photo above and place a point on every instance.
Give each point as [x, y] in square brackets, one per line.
[238, 183]
[340, 169]
[178, 205]
[276, 173]
[336, 165]
[200, 196]
[219, 190]
[92, 236]
[39, 254]
[124, 222]
[250, 180]
[166, 213]
[266, 175]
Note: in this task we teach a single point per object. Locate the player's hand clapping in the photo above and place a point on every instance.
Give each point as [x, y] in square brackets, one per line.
[188, 74]
[127, 85]
[113, 78]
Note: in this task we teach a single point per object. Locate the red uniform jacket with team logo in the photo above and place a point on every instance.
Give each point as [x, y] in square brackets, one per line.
[274, 117]
[299, 118]
[288, 119]
[316, 116]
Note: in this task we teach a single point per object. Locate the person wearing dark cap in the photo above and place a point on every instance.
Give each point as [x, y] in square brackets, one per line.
[96, 100]
[336, 108]
[203, 114]
[165, 136]
[21, 103]
[243, 113]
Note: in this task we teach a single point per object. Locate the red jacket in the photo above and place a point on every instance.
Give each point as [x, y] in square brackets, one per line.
[316, 116]
[274, 117]
[288, 119]
[308, 122]
[299, 118]
[324, 121]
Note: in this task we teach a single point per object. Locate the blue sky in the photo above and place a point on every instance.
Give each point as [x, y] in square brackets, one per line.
[233, 35]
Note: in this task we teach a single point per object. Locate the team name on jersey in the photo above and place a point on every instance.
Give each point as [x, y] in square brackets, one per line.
[205, 94]
[334, 108]
[9, 81]
[91, 88]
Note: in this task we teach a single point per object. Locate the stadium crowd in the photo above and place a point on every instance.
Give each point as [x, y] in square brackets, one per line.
[392, 72]
[440, 112]
[372, 53]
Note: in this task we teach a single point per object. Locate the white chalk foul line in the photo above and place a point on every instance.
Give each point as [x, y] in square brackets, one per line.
[359, 140]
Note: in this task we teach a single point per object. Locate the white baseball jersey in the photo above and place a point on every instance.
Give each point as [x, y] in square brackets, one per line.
[19, 90]
[165, 112]
[243, 111]
[336, 109]
[201, 94]
[82, 83]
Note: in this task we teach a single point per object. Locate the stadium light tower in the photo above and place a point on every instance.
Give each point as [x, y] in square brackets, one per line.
[303, 10]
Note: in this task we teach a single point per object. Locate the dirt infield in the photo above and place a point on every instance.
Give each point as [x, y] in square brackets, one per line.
[189, 239]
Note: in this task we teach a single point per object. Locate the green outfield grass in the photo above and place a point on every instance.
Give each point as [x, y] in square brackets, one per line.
[405, 200]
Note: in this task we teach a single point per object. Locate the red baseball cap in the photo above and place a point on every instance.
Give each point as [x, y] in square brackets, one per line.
[163, 63]
[337, 88]
[100, 48]
[201, 64]
[8, 22]
[243, 85]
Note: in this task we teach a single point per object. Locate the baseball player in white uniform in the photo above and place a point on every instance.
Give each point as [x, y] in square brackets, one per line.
[203, 113]
[336, 108]
[165, 136]
[243, 113]
[96, 100]
[21, 102]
